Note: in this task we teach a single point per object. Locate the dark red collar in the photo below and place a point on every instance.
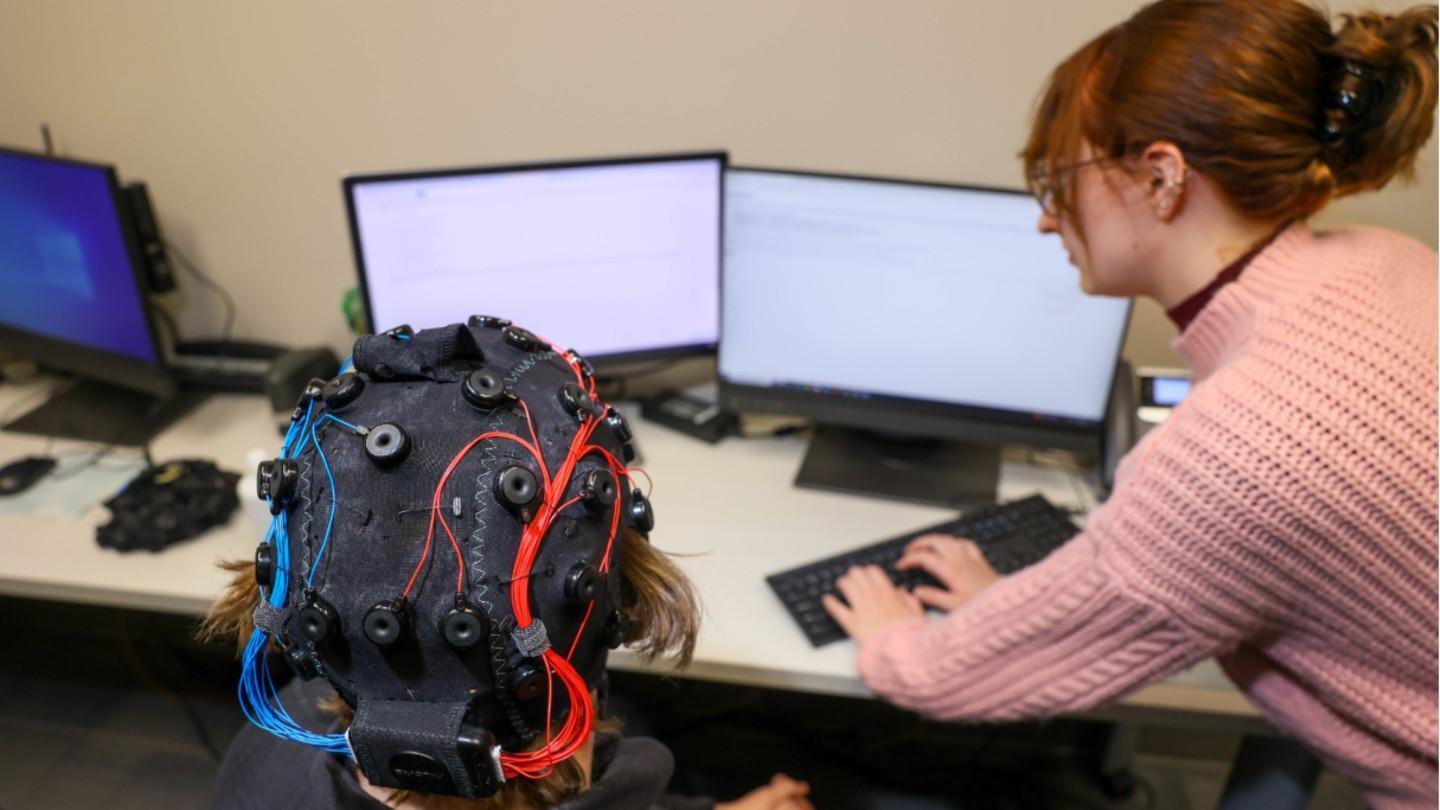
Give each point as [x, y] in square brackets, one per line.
[1186, 311]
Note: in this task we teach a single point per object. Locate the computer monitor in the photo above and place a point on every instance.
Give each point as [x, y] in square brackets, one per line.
[894, 312]
[616, 259]
[73, 300]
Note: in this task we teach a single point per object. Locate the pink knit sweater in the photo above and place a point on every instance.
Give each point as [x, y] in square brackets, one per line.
[1283, 520]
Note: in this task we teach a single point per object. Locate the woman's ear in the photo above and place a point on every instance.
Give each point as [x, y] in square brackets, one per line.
[1165, 173]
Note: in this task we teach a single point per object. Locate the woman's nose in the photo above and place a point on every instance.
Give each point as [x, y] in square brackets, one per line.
[1049, 223]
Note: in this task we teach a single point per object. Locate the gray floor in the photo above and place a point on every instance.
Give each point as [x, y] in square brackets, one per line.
[82, 727]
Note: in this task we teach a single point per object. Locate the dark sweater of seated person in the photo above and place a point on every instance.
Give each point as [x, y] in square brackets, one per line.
[260, 773]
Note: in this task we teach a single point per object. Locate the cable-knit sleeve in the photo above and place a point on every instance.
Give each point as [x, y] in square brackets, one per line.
[1059, 636]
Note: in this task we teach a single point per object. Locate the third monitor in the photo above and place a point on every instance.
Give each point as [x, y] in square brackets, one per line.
[920, 325]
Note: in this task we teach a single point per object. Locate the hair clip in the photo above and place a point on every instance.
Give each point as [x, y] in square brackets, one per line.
[1351, 91]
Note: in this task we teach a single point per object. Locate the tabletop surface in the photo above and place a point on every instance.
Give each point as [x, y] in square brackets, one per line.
[730, 512]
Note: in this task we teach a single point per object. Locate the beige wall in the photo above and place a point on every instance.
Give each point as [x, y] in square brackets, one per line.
[242, 116]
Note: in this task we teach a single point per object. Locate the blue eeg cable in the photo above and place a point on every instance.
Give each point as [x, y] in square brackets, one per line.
[259, 699]
[330, 522]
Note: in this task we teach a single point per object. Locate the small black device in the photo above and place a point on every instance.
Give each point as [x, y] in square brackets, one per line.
[1011, 536]
[155, 261]
[1161, 390]
[251, 367]
[18, 476]
[691, 415]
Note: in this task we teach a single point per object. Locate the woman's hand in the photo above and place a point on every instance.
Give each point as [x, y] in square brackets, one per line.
[958, 564]
[874, 603]
[783, 793]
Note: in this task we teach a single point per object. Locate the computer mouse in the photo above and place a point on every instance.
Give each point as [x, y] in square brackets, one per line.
[18, 476]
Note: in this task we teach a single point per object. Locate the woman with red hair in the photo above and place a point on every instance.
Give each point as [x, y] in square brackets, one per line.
[1284, 519]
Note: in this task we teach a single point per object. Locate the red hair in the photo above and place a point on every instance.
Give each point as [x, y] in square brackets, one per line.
[1245, 89]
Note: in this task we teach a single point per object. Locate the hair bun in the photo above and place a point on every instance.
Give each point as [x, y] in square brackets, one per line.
[1377, 98]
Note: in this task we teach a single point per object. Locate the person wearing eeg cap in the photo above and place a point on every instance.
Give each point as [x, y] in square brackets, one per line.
[457, 544]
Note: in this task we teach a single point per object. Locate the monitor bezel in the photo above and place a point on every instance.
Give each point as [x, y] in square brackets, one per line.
[609, 361]
[87, 361]
[909, 415]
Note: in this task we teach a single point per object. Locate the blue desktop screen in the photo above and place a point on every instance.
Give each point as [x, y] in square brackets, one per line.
[65, 269]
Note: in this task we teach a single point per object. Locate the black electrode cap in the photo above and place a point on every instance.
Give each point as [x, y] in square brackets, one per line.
[299, 660]
[615, 630]
[527, 682]
[385, 623]
[402, 332]
[618, 426]
[287, 479]
[488, 322]
[342, 390]
[522, 339]
[265, 479]
[484, 389]
[598, 491]
[576, 401]
[518, 489]
[463, 627]
[264, 565]
[642, 515]
[581, 584]
[476, 746]
[313, 390]
[318, 620]
[585, 367]
[387, 444]
[277, 481]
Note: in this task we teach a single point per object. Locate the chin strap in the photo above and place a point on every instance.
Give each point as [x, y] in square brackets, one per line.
[424, 747]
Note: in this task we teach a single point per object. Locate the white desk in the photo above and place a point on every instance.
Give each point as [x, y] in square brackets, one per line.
[731, 508]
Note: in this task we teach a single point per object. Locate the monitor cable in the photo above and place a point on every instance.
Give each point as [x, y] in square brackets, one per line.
[227, 331]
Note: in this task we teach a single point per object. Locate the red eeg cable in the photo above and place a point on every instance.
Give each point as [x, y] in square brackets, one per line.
[579, 634]
[435, 506]
[580, 721]
[539, 458]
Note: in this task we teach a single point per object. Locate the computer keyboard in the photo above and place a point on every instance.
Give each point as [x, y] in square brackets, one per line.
[1011, 536]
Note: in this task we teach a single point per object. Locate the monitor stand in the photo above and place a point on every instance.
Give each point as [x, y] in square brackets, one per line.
[97, 412]
[928, 471]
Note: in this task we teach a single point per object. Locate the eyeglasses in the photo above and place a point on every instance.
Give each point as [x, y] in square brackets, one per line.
[1045, 193]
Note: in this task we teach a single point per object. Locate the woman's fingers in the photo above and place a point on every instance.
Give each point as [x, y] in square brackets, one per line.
[840, 612]
[937, 597]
